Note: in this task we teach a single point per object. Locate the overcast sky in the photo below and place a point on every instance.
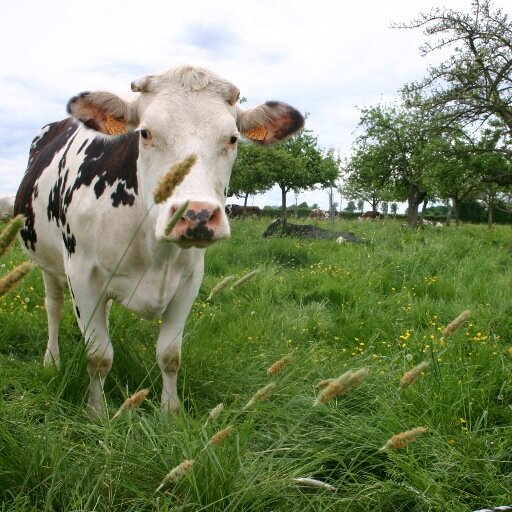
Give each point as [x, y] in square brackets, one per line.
[325, 57]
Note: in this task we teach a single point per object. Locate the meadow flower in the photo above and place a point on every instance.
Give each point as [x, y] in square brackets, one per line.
[457, 323]
[276, 368]
[220, 286]
[132, 402]
[177, 473]
[349, 380]
[403, 439]
[174, 176]
[412, 376]
[261, 395]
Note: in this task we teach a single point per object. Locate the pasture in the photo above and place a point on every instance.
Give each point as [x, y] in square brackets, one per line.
[381, 306]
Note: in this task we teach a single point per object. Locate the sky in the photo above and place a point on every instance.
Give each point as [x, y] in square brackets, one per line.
[327, 58]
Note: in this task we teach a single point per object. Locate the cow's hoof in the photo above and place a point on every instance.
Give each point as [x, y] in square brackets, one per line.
[51, 360]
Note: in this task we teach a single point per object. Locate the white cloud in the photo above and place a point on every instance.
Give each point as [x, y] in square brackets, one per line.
[324, 57]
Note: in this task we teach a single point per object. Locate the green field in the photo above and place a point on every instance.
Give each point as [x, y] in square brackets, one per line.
[381, 305]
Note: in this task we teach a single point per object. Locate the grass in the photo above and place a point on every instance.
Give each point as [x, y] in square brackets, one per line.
[334, 308]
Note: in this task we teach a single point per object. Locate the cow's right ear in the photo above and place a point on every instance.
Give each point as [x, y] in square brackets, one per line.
[102, 111]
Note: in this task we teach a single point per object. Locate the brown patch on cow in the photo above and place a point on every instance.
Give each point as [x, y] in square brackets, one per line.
[171, 362]
[99, 365]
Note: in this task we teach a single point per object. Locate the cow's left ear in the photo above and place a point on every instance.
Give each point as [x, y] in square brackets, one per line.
[102, 111]
[269, 123]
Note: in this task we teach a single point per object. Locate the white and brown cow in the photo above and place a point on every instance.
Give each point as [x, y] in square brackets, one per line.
[91, 222]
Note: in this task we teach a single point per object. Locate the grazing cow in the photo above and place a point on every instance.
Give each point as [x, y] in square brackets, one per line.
[316, 213]
[369, 216]
[276, 227]
[235, 211]
[6, 207]
[91, 222]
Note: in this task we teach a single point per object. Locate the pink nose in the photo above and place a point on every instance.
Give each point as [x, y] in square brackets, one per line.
[198, 224]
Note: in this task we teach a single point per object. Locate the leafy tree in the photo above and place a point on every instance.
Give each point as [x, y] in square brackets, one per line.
[351, 206]
[251, 172]
[297, 164]
[395, 138]
[474, 84]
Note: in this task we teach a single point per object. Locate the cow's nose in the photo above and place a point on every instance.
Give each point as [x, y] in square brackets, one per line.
[199, 223]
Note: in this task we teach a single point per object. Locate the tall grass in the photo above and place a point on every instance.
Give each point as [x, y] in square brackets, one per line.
[324, 309]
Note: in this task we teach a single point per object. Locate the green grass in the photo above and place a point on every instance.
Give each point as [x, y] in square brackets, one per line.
[335, 307]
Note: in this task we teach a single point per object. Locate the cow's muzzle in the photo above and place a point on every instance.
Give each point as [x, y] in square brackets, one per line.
[200, 225]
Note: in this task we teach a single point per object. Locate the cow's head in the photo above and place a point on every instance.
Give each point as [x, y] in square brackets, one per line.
[180, 112]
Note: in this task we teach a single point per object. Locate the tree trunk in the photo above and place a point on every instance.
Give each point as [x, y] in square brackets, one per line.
[245, 203]
[456, 206]
[490, 211]
[415, 195]
[424, 208]
[283, 204]
[449, 214]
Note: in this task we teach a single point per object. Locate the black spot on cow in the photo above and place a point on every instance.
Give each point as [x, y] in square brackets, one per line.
[42, 151]
[80, 149]
[109, 162]
[77, 311]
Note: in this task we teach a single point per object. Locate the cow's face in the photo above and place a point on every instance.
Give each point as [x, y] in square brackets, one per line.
[178, 113]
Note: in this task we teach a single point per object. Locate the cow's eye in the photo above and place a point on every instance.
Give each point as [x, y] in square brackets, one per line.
[144, 134]
[233, 139]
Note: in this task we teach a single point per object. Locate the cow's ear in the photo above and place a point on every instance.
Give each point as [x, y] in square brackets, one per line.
[269, 123]
[102, 111]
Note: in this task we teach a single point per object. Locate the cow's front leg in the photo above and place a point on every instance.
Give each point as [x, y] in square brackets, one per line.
[168, 346]
[91, 309]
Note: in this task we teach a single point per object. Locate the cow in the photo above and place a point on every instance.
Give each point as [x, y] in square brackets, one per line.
[235, 211]
[369, 216]
[91, 221]
[6, 207]
[317, 213]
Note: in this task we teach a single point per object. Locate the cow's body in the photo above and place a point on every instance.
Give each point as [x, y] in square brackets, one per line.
[369, 216]
[92, 224]
[317, 213]
[235, 211]
[6, 207]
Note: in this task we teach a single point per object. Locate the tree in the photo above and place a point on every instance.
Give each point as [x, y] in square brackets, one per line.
[474, 84]
[394, 139]
[251, 172]
[351, 206]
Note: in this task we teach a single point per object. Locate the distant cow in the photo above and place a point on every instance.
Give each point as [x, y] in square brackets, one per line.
[235, 211]
[6, 207]
[317, 213]
[308, 231]
[91, 221]
[369, 216]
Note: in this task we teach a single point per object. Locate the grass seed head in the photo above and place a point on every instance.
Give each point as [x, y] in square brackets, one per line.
[219, 437]
[132, 402]
[413, 375]
[9, 233]
[457, 323]
[324, 383]
[344, 383]
[177, 473]
[219, 287]
[277, 367]
[216, 412]
[261, 395]
[313, 482]
[401, 440]
[245, 278]
[11, 280]
[174, 176]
